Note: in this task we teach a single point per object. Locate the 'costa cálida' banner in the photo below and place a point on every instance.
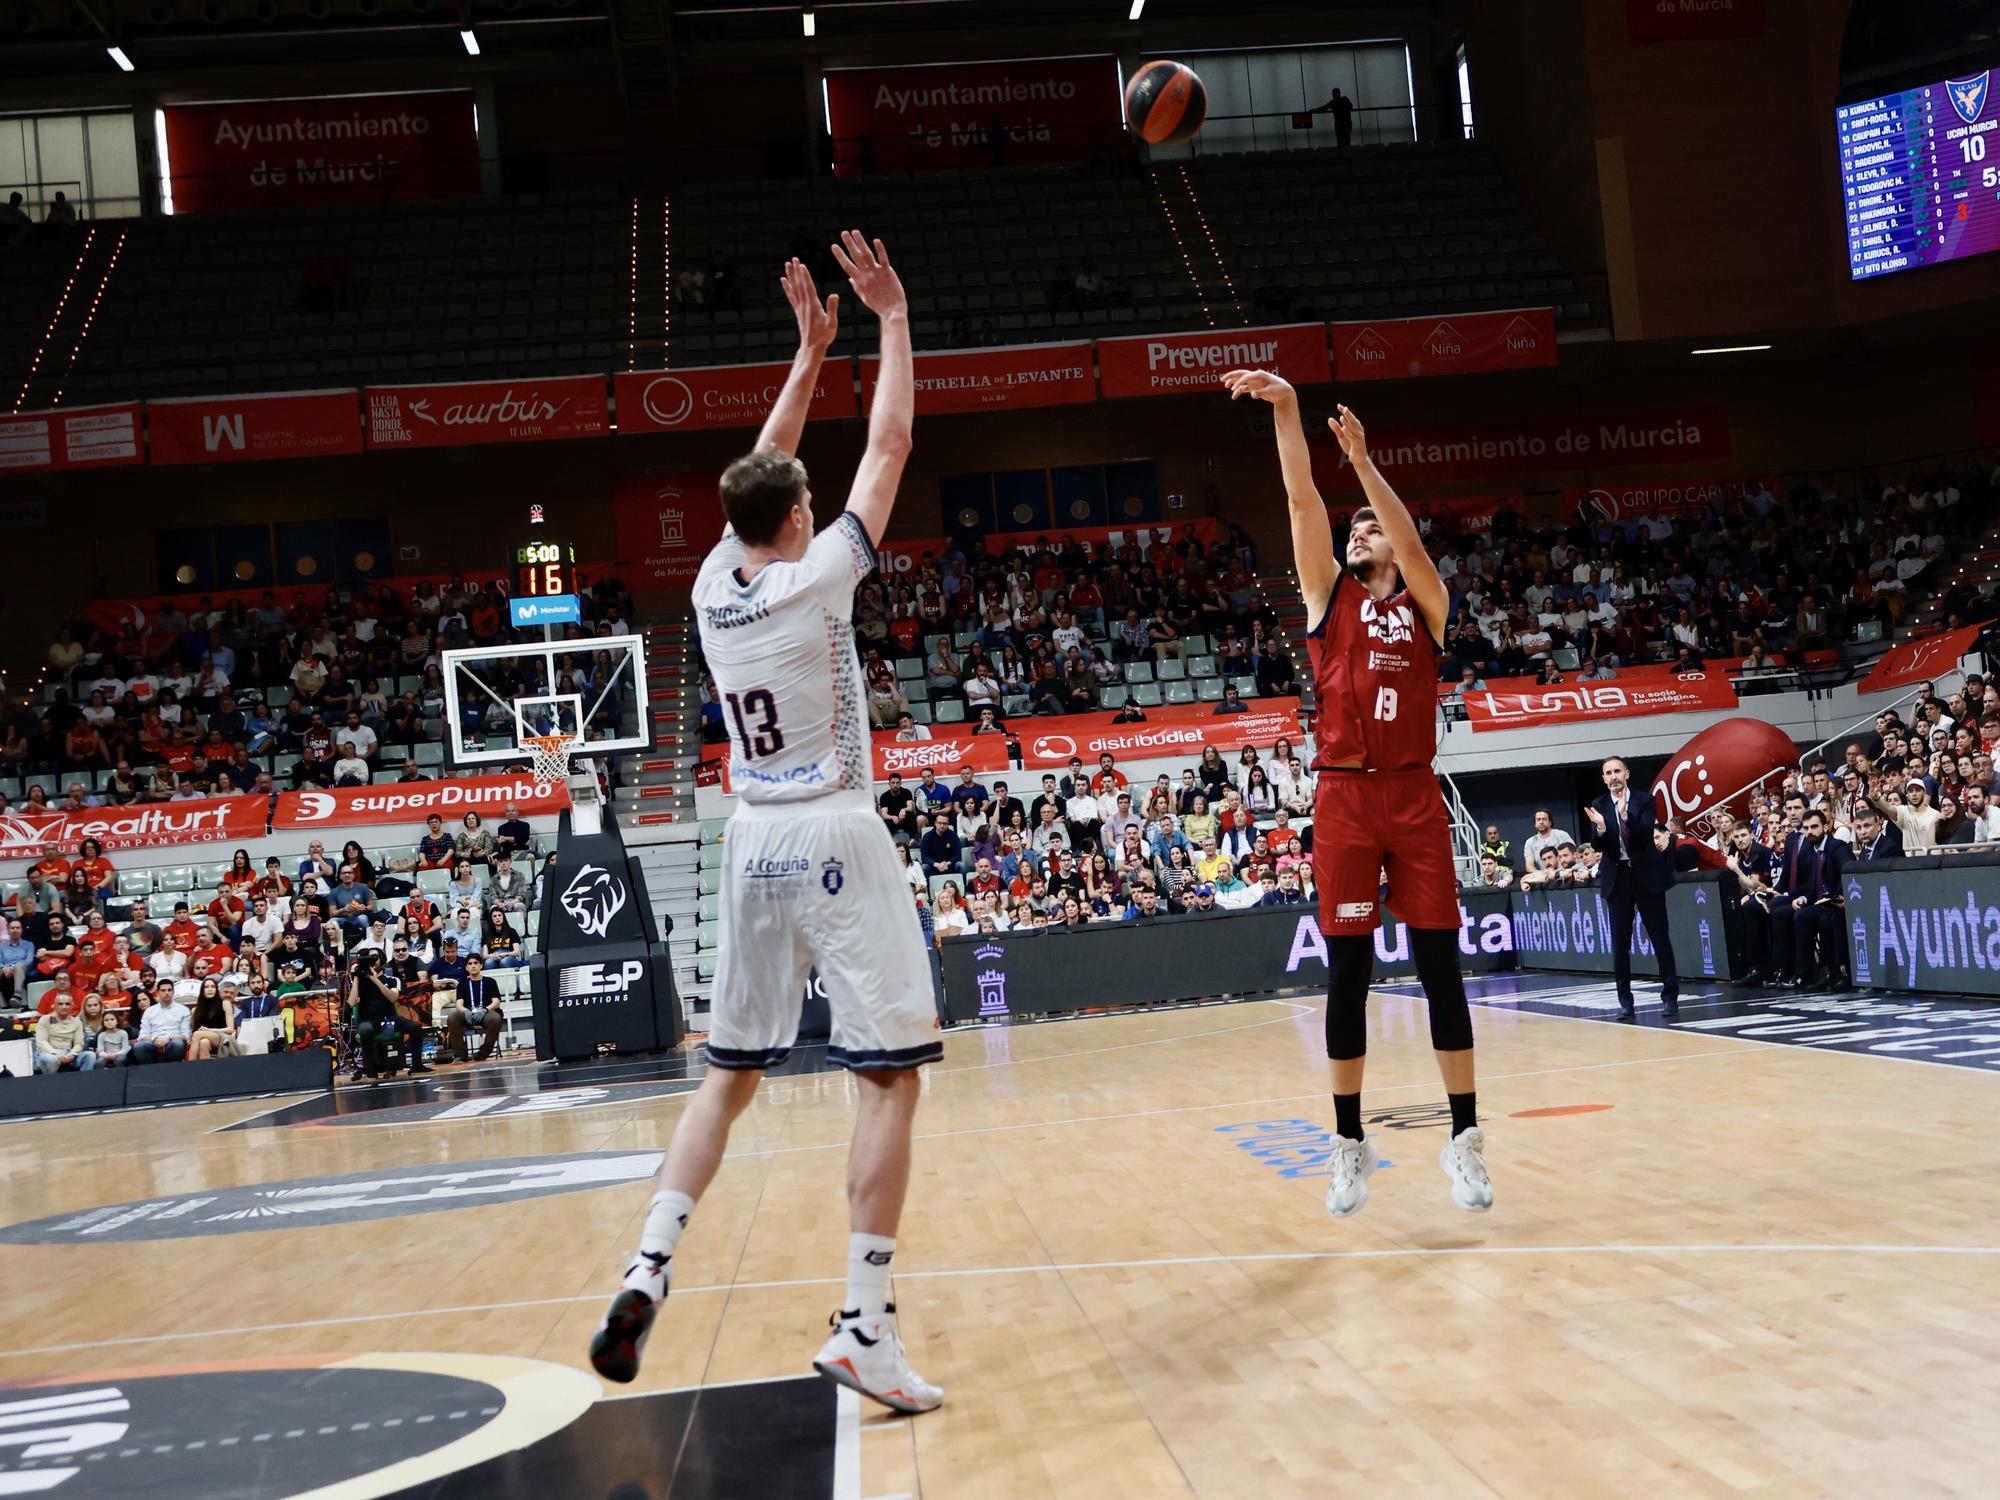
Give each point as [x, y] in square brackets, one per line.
[702, 397]
[350, 148]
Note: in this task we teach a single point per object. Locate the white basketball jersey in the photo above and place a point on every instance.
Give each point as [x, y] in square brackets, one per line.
[781, 651]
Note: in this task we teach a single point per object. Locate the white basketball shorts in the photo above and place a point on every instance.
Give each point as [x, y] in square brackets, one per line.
[807, 886]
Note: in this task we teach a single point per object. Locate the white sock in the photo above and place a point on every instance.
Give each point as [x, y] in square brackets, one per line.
[665, 1219]
[868, 1257]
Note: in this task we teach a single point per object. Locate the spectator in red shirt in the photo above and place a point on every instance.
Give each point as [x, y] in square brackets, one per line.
[241, 877]
[97, 870]
[227, 910]
[1108, 778]
[182, 932]
[51, 867]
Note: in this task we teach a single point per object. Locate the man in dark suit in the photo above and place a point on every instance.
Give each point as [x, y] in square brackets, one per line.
[1784, 879]
[1873, 839]
[1816, 907]
[1635, 876]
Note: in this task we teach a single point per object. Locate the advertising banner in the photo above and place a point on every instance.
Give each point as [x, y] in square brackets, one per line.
[142, 613]
[208, 820]
[954, 116]
[1148, 539]
[83, 437]
[1686, 692]
[232, 429]
[1170, 363]
[448, 414]
[710, 396]
[352, 148]
[1462, 513]
[1047, 744]
[1010, 378]
[900, 559]
[947, 754]
[1673, 498]
[665, 526]
[1531, 445]
[413, 801]
[1916, 924]
[1570, 929]
[994, 976]
[1920, 659]
[1462, 344]
[1693, 20]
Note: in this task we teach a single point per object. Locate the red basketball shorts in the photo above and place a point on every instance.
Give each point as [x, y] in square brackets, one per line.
[1368, 822]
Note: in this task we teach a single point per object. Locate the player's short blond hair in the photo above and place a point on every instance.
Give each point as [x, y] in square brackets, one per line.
[759, 491]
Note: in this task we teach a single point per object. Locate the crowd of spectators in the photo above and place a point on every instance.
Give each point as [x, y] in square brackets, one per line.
[1759, 578]
[222, 699]
[148, 985]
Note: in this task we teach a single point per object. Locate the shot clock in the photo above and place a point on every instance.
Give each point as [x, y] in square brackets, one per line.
[544, 582]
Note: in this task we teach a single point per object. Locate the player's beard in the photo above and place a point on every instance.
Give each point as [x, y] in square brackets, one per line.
[1363, 570]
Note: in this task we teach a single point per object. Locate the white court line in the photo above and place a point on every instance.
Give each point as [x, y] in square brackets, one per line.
[846, 1444]
[1413, 1252]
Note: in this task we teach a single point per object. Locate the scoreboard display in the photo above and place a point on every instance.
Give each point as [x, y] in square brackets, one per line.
[543, 569]
[1920, 171]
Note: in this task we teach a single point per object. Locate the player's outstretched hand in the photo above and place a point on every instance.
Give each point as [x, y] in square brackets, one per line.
[868, 270]
[1259, 385]
[818, 322]
[1349, 433]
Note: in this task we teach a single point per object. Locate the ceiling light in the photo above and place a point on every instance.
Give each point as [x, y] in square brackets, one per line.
[1733, 349]
[118, 56]
[471, 42]
[1137, 7]
[812, 26]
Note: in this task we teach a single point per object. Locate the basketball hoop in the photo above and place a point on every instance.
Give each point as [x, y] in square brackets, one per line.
[551, 753]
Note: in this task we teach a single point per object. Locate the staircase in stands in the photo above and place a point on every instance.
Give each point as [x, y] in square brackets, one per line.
[1980, 565]
[655, 804]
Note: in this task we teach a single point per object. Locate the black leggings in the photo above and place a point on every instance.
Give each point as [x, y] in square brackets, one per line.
[1350, 959]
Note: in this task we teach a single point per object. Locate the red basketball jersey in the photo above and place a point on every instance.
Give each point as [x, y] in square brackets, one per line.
[1375, 674]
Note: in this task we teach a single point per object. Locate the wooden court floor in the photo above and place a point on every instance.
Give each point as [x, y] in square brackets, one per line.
[1714, 1268]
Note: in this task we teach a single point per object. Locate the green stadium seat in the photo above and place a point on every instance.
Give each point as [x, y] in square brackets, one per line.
[173, 878]
[433, 882]
[1201, 666]
[711, 857]
[708, 909]
[1147, 695]
[1173, 669]
[704, 966]
[708, 935]
[130, 883]
[1138, 671]
[909, 668]
[710, 882]
[1194, 645]
[1246, 687]
[208, 877]
[1209, 690]
[1180, 692]
[949, 712]
[712, 828]
[1112, 696]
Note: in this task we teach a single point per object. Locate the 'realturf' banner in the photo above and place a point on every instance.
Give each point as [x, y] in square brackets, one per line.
[1686, 692]
[351, 148]
[206, 820]
[1461, 344]
[1920, 659]
[446, 414]
[82, 437]
[1010, 378]
[233, 429]
[665, 525]
[703, 397]
[955, 116]
[413, 801]
[1530, 445]
[1167, 364]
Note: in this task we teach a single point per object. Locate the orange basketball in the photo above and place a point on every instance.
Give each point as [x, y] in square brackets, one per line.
[1165, 103]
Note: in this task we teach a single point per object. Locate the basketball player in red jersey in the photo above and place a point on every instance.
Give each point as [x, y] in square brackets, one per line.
[1374, 649]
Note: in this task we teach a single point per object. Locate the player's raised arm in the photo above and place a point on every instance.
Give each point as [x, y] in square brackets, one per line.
[1420, 574]
[1312, 533]
[818, 323]
[881, 291]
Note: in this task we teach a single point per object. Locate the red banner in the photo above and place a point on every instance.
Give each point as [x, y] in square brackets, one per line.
[1169, 363]
[1182, 730]
[1919, 660]
[665, 526]
[1692, 692]
[353, 148]
[1629, 502]
[1461, 513]
[489, 411]
[947, 754]
[946, 116]
[84, 437]
[900, 559]
[1147, 537]
[1530, 445]
[232, 429]
[708, 396]
[1693, 20]
[1463, 344]
[207, 820]
[142, 612]
[1011, 378]
[413, 801]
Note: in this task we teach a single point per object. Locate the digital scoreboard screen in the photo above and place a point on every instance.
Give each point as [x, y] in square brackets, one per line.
[543, 569]
[1921, 174]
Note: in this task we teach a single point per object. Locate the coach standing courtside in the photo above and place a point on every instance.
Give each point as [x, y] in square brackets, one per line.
[1635, 874]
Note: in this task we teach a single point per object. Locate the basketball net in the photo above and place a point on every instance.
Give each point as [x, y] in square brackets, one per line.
[551, 753]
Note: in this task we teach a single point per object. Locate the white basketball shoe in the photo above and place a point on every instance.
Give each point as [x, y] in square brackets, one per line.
[1352, 1163]
[1464, 1162]
[866, 1355]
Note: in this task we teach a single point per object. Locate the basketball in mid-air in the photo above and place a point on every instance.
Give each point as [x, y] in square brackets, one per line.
[1165, 103]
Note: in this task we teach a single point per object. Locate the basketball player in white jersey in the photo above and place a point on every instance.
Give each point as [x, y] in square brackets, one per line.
[809, 873]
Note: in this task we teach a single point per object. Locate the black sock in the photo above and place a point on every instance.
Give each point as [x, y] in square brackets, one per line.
[1464, 1111]
[1347, 1115]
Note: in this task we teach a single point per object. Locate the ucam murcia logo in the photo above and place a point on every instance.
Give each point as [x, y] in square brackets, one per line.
[1392, 625]
[1968, 96]
[592, 898]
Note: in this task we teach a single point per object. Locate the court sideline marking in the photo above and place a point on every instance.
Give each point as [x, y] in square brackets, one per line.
[1409, 1252]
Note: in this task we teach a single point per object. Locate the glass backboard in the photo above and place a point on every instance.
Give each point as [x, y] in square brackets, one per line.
[592, 689]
